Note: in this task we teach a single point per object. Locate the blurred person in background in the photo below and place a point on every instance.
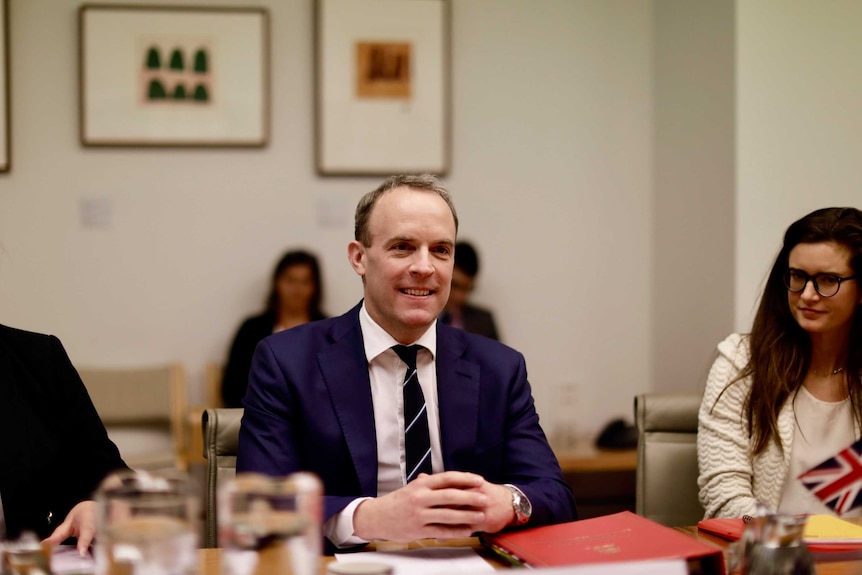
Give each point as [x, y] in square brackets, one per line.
[458, 312]
[294, 299]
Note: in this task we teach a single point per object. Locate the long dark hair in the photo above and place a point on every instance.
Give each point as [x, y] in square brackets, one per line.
[780, 349]
[297, 258]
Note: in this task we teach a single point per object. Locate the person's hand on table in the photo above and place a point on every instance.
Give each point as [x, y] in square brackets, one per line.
[497, 512]
[80, 523]
[448, 505]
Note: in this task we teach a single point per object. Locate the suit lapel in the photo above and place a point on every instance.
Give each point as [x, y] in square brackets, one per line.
[457, 396]
[345, 373]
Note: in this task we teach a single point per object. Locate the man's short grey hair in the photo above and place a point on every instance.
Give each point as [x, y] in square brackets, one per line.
[425, 182]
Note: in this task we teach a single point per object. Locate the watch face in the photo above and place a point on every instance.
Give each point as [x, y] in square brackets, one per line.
[521, 505]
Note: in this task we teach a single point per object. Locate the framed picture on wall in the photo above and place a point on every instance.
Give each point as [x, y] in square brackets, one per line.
[173, 76]
[5, 115]
[382, 86]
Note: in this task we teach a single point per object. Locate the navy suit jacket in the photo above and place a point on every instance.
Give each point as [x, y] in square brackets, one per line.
[309, 407]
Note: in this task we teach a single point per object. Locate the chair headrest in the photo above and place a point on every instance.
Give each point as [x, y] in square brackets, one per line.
[667, 411]
[221, 430]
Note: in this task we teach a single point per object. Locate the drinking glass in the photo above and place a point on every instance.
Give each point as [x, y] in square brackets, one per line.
[146, 524]
[26, 556]
[271, 521]
[774, 546]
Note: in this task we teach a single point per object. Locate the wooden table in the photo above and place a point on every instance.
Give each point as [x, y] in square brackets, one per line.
[826, 564]
[584, 457]
[209, 560]
[603, 480]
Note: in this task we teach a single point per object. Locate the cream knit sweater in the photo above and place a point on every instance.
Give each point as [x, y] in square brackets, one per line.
[731, 481]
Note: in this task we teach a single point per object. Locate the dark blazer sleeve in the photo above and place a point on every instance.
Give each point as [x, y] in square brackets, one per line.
[529, 462]
[235, 376]
[291, 422]
[62, 450]
[503, 441]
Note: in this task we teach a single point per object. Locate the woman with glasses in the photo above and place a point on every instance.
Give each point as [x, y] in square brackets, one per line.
[788, 396]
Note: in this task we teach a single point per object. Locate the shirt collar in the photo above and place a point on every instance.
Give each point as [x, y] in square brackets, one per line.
[377, 340]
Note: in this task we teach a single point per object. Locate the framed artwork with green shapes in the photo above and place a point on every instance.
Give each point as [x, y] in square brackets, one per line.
[175, 76]
[5, 115]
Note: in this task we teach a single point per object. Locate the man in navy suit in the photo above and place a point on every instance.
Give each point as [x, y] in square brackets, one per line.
[326, 397]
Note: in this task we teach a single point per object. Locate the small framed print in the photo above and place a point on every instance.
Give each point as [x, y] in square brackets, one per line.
[382, 83]
[174, 76]
[5, 91]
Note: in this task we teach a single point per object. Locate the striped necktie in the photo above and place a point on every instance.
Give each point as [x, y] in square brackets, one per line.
[417, 443]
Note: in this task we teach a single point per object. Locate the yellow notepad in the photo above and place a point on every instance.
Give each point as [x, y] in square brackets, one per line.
[827, 528]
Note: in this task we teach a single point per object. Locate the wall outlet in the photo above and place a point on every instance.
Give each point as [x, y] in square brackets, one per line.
[96, 213]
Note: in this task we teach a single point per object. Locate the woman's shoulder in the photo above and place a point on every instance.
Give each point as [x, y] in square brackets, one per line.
[735, 348]
[259, 322]
[733, 355]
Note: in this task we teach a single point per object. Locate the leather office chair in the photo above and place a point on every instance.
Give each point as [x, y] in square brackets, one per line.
[666, 484]
[221, 436]
[144, 412]
[212, 398]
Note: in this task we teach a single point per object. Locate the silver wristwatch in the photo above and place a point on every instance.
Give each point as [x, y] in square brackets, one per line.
[522, 506]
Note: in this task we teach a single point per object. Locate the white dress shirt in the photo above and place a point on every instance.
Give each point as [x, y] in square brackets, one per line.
[386, 373]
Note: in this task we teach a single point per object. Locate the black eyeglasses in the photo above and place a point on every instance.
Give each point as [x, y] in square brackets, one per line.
[826, 285]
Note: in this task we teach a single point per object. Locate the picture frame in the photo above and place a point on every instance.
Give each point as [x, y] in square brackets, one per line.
[5, 91]
[382, 87]
[173, 76]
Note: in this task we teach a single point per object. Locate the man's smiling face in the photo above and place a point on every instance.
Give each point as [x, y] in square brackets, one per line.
[407, 269]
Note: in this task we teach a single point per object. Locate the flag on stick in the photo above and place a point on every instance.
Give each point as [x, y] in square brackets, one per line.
[838, 480]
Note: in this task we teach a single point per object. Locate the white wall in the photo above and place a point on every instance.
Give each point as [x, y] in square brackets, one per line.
[799, 125]
[577, 133]
[552, 179]
[551, 172]
[694, 150]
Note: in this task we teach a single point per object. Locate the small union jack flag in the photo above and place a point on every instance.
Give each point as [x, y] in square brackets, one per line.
[838, 480]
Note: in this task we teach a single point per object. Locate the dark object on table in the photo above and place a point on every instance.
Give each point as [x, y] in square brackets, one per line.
[618, 434]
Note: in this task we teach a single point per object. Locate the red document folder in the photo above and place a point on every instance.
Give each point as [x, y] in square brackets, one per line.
[729, 528]
[608, 539]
